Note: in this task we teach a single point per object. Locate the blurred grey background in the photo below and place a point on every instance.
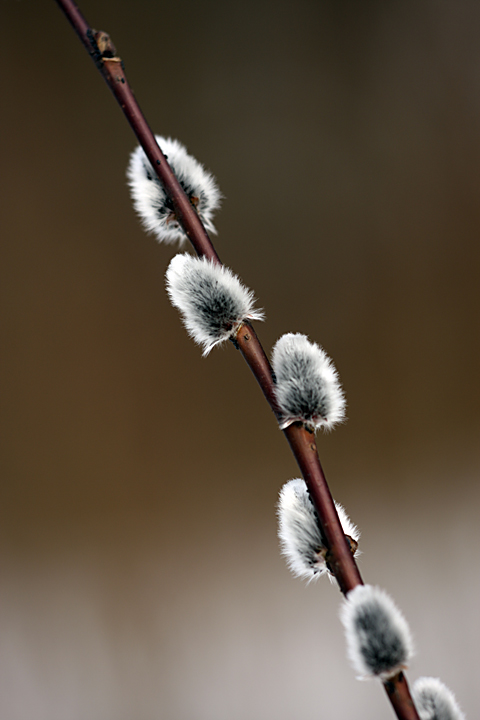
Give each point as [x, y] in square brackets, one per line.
[140, 571]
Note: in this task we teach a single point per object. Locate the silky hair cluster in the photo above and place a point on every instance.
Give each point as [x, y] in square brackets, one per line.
[308, 387]
[211, 299]
[379, 643]
[434, 701]
[152, 202]
[301, 539]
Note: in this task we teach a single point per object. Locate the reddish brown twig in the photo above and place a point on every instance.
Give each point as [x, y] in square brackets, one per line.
[399, 695]
[302, 441]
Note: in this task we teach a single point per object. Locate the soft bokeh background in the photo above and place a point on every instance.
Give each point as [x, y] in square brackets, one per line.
[140, 571]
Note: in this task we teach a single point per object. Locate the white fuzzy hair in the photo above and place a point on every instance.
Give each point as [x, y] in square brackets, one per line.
[301, 540]
[212, 300]
[308, 386]
[151, 201]
[434, 701]
[379, 643]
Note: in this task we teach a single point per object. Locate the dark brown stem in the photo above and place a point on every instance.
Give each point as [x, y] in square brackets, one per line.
[249, 345]
[302, 442]
[399, 695]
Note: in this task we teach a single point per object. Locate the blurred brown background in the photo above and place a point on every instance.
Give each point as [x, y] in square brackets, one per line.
[140, 571]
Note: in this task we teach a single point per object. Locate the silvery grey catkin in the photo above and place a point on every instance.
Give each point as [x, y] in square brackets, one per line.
[434, 701]
[301, 539]
[152, 202]
[212, 300]
[379, 643]
[308, 387]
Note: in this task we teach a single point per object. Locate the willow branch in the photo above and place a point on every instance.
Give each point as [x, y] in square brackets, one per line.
[302, 442]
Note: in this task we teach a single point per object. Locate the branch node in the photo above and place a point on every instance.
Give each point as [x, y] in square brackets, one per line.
[104, 44]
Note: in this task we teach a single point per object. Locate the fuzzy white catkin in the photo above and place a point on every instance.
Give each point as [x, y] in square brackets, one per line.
[434, 701]
[301, 540]
[212, 300]
[307, 384]
[151, 201]
[379, 643]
